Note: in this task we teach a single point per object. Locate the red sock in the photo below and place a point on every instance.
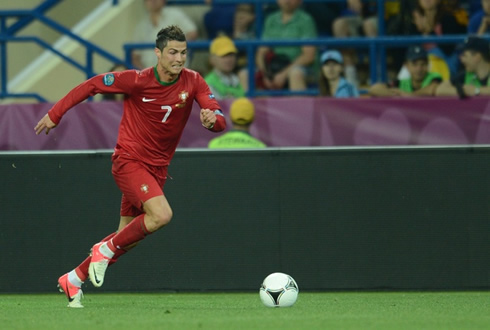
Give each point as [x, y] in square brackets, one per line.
[82, 269]
[134, 232]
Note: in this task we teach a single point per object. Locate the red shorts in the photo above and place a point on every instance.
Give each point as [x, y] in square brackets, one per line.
[138, 183]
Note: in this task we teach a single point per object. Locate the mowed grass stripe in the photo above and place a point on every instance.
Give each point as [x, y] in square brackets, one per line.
[322, 310]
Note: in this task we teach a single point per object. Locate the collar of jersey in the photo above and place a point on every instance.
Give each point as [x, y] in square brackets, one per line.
[163, 82]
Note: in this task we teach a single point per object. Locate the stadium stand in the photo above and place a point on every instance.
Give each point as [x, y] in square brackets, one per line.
[94, 43]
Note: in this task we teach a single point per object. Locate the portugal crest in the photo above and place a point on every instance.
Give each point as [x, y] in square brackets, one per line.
[183, 96]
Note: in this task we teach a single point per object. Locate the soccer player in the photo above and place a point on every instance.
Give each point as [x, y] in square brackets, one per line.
[157, 106]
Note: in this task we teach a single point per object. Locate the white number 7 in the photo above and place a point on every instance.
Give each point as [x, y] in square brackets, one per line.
[169, 110]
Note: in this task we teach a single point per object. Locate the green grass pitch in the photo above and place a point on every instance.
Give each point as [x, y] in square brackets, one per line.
[322, 310]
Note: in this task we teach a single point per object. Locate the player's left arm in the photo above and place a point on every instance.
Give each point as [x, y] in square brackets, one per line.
[211, 116]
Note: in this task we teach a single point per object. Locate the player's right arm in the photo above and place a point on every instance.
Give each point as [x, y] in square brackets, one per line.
[113, 82]
[44, 124]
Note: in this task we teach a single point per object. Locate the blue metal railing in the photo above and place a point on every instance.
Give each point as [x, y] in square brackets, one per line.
[376, 46]
[372, 44]
[8, 34]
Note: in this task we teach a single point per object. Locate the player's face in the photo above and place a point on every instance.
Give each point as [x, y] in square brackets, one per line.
[332, 70]
[226, 63]
[418, 69]
[172, 58]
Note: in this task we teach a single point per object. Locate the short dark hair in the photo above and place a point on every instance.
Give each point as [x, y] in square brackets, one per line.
[172, 32]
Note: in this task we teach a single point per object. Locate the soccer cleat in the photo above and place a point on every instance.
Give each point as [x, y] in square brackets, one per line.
[73, 293]
[98, 266]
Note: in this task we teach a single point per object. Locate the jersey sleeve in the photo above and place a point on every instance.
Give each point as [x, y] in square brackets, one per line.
[107, 83]
[207, 100]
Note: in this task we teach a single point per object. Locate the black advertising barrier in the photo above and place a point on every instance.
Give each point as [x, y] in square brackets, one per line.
[333, 218]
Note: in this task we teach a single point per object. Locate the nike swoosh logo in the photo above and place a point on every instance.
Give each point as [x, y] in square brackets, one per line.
[70, 299]
[96, 279]
[148, 100]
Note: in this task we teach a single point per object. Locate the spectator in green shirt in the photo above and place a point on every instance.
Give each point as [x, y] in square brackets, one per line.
[222, 80]
[421, 82]
[242, 114]
[475, 79]
[289, 22]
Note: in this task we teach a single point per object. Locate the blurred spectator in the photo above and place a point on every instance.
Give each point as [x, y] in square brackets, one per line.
[480, 21]
[357, 19]
[244, 29]
[219, 19]
[331, 81]
[422, 82]
[475, 79]
[428, 18]
[324, 13]
[115, 97]
[159, 15]
[286, 66]
[242, 115]
[243, 22]
[222, 80]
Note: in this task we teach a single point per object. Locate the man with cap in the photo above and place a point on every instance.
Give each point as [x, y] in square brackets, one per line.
[421, 82]
[332, 83]
[475, 79]
[222, 80]
[242, 115]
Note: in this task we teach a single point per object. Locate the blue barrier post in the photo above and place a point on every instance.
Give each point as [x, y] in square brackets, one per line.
[251, 69]
[373, 65]
[27, 19]
[3, 56]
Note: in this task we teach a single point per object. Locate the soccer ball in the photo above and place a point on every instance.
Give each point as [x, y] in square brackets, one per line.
[279, 290]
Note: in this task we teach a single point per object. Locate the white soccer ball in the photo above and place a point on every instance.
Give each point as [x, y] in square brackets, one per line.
[279, 290]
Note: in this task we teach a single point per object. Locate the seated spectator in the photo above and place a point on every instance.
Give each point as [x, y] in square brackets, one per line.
[244, 29]
[243, 22]
[357, 19]
[158, 16]
[222, 80]
[475, 79]
[331, 81]
[242, 115]
[421, 81]
[219, 19]
[428, 18]
[324, 14]
[431, 18]
[292, 64]
[480, 21]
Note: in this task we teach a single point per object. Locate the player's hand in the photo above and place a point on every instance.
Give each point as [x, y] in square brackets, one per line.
[208, 118]
[44, 124]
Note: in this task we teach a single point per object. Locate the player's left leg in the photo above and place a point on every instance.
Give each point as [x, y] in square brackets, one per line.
[141, 185]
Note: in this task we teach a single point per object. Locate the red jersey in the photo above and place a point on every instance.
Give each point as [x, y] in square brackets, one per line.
[155, 112]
